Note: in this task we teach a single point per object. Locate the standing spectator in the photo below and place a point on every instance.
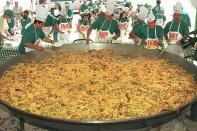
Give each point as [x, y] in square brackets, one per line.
[17, 12]
[7, 6]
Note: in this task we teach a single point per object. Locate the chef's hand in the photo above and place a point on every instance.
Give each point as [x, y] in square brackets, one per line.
[168, 41]
[136, 39]
[178, 43]
[87, 40]
[195, 45]
[83, 35]
[115, 37]
[39, 48]
[11, 40]
[54, 41]
[49, 35]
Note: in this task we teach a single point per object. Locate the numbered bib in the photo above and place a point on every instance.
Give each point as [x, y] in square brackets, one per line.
[152, 44]
[103, 34]
[159, 22]
[173, 35]
[84, 28]
[64, 26]
[124, 25]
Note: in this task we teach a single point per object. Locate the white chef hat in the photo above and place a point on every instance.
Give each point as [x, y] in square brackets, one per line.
[110, 6]
[178, 7]
[66, 4]
[151, 16]
[87, 2]
[62, 11]
[143, 13]
[41, 13]
[86, 11]
[125, 9]
[56, 12]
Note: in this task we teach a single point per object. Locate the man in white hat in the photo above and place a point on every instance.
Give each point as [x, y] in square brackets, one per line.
[176, 29]
[107, 28]
[33, 33]
[154, 33]
[138, 32]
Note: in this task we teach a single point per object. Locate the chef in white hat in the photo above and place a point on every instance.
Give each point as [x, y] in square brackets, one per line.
[138, 32]
[154, 33]
[107, 28]
[84, 24]
[175, 30]
[34, 33]
[124, 23]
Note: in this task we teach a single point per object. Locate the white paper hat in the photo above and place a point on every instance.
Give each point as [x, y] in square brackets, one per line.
[125, 9]
[151, 16]
[66, 4]
[143, 13]
[110, 6]
[56, 12]
[62, 11]
[86, 11]
[178, 7]
[87, 2]
[41, 13]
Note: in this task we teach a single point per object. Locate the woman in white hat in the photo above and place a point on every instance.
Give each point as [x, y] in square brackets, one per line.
[176, 30]
[107, 28]
[84, 24]
[154, 33]
[63, 27]
[138, 32]
[124, 23]
[33, 33]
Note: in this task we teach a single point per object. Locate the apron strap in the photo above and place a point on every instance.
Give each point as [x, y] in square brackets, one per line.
[155, 33]
[35, 32]
[102, 25]
[171, 26]
[108, 27]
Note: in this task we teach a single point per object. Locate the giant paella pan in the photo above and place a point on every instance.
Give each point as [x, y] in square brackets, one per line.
[101, 105]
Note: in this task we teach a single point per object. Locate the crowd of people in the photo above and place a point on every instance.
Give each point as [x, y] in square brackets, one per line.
[112, 19]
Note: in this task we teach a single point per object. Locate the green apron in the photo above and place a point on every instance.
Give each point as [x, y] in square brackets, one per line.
[24, 22]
